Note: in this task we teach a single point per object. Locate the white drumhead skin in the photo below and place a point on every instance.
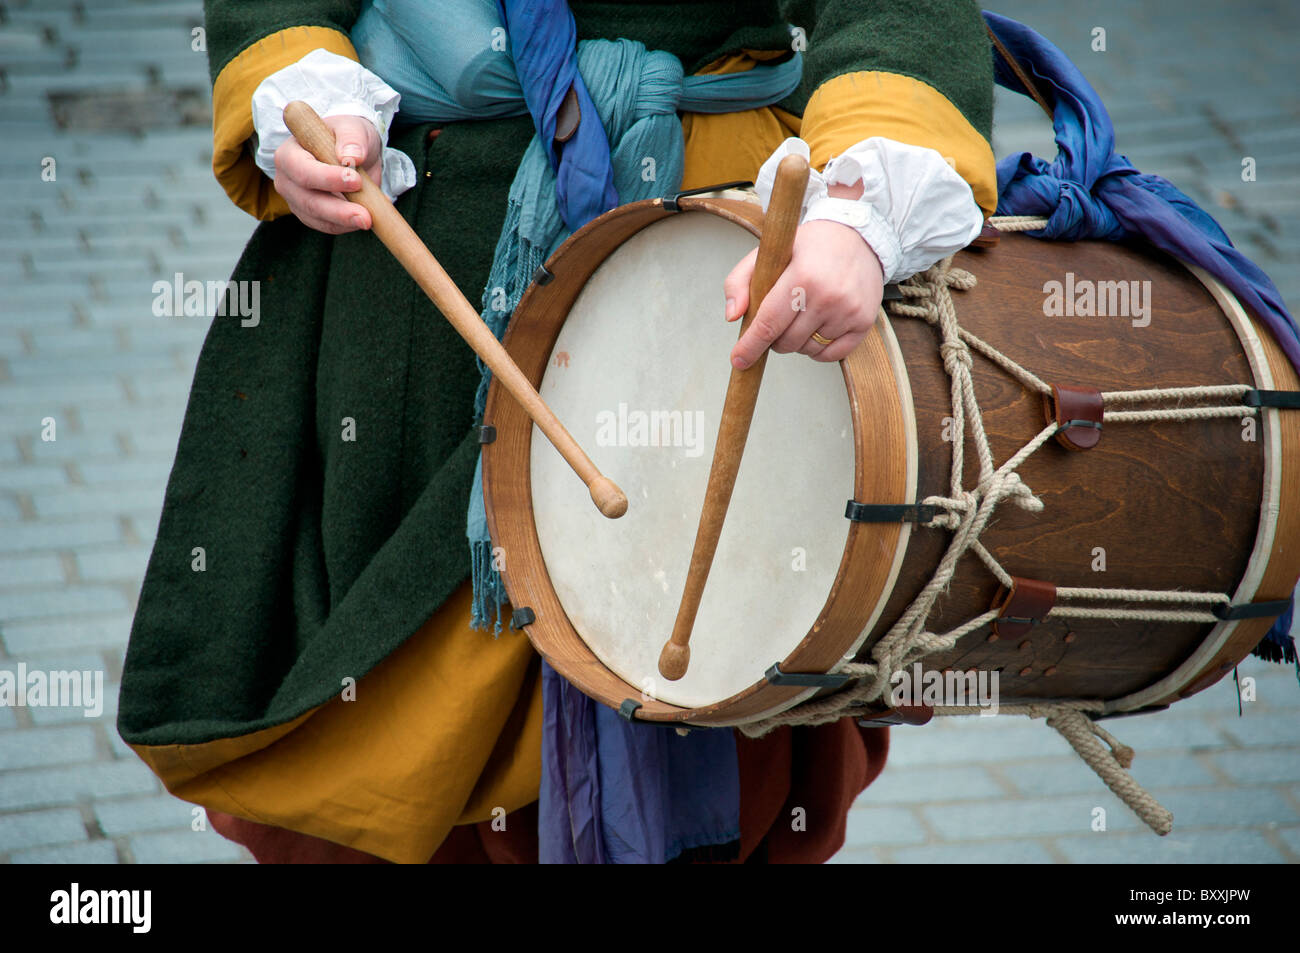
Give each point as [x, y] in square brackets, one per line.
[642, 358]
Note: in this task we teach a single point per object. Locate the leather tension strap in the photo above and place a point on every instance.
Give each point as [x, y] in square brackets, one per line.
[1022, 607]
[1078, 412]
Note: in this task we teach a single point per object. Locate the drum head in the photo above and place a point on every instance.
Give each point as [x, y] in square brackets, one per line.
[625, 340]
[639, 373]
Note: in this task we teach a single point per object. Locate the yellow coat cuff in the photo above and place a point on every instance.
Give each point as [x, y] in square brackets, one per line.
[855, 106]
[232, 114]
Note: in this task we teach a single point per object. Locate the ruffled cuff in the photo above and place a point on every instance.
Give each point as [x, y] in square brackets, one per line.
[333, 86]
[914, 211]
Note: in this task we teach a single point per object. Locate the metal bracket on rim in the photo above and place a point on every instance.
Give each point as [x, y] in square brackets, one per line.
[775, 676]
[670, 201]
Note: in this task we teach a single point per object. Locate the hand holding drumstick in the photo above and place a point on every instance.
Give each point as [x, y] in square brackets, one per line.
[389, 226]
[774, 250]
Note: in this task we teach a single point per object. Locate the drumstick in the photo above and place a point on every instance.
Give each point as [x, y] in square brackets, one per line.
[391, 229]
[774, 250]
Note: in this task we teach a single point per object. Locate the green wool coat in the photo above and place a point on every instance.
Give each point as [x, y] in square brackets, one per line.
[323, 554]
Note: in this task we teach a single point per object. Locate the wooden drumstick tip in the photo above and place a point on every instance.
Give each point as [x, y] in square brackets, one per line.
[609, 499]
[674, 660]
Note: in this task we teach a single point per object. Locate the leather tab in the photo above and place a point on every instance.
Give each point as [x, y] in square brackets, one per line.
[1078, 411]
[1026, 604]
[568, 117]
[987, 238]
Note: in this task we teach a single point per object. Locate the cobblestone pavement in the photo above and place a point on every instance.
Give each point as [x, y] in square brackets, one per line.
[132, 201]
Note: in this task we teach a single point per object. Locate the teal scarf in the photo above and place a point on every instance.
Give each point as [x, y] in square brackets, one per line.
[638, 94]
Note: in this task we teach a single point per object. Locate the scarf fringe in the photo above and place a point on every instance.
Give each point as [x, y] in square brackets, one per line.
[1278, 644]
[514, 263]
[489, 591]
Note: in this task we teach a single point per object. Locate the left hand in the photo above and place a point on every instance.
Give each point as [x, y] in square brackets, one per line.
[836, 277]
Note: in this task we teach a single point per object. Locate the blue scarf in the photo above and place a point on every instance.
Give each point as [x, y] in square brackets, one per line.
[1088, 191]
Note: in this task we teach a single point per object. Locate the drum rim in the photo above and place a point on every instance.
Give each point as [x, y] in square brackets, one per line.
[885, 471]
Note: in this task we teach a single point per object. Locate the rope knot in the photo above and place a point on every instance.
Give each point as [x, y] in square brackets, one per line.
[955, 509]
[961, 279]
[955, 354]
[1019, 493]
[1121, 752]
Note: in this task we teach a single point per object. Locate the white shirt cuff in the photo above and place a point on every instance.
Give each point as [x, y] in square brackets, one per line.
[332, 85]
[914, 211]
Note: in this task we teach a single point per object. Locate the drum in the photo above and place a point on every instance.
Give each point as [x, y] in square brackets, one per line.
[1135, 555]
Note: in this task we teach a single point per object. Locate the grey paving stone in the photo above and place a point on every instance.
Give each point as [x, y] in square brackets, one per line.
[40, 827]
[1291, 837]
[1193, 847]
[46, 397]
[1070, 775]
[1155, 732]
[925, 783]
[161, 442]
[1026, 817]
[127, 76]
[143, 39]
[64, 601]
[46, 746]
[75, 340]
[133, 420]
[869, 825]
[1275, 687]
[58, 659]
[105, 704]
[144, 814]
[84, 501]
[43, 637]
[91, 852]
[996, 852]
[11, 345]
[184, 847]
[142, 471]
[32, 477]
[119, 747]
[125, 564]
[102, 709]
[1225, 807]
[63, 365]
[56, 313]
[1266, 729]
[174, 389]
[988, 739]
[1260, 766]
[51, 787]
[83, 448]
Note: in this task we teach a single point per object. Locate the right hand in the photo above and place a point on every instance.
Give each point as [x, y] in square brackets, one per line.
[313, 188]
